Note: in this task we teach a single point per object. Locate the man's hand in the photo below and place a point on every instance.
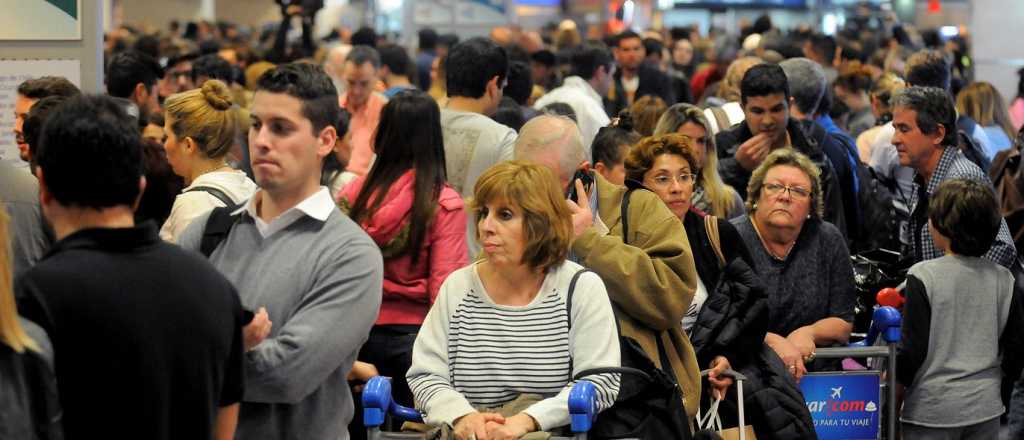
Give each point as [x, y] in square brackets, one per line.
[582, 216]
[513, 428]
[751, 153]
[474, 425]
[257, 329]
[362, 372]
[719, 385]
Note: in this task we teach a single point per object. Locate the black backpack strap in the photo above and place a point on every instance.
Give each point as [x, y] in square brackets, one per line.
[572, 290]
[631, 185]
[216, 193]
[218, 225]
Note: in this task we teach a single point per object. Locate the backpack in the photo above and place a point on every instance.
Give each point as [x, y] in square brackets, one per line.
[971, 149]
[1007, 177]
[878, 221]
[218, 226]
[650, 402]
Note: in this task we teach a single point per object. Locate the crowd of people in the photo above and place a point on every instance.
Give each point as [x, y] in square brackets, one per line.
[244, 229]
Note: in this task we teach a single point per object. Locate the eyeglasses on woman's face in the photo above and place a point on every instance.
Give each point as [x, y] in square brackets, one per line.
[665, 180]
[776, 189]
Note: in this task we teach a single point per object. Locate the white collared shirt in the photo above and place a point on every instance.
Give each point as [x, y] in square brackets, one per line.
[320, 205]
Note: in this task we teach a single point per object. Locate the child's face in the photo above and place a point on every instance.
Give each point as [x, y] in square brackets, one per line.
[941, 241]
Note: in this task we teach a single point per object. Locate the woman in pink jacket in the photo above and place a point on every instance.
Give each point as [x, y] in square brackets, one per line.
[418, 221]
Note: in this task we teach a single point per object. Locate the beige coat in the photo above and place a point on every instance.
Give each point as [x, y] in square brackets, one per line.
[651, 281]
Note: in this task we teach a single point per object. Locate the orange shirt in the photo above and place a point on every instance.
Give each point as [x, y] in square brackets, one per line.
[362, 126]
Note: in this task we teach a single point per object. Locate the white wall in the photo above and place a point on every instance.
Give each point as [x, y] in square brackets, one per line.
[995, 25]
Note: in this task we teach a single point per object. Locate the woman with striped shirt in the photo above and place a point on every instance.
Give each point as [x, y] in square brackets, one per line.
[502, 329]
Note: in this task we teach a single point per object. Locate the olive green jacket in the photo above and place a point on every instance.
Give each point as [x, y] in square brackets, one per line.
[651, 280]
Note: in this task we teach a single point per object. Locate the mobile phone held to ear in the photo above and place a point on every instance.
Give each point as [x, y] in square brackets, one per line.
[582, 176]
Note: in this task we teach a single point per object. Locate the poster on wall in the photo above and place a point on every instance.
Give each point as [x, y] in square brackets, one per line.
[41, 20]
[12, 74]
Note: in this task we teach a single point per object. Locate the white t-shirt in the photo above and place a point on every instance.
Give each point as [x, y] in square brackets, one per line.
[699, 297]
[189, 205]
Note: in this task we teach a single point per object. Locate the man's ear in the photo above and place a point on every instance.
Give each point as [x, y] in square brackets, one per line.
[45, 196]
[493, 86]
[326, 140]
[940, 135]
[142, 190]
[140, 94]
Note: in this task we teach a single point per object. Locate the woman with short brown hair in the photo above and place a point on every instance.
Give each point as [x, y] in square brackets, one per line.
[503, 340]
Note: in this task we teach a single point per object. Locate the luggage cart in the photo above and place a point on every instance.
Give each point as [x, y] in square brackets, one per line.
[824, 392]
[378, 406]
[739, 378]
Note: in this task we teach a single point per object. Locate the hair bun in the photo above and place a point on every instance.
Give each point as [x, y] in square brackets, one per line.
[625, 120]
[217, 94]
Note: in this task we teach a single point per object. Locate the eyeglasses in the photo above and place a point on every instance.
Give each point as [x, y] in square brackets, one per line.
[664, 181]
[796, 192]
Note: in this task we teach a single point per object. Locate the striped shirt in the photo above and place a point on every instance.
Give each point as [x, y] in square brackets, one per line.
[472, 352]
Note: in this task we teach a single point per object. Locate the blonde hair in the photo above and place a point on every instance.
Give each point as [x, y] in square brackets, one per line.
[886, 87]
[985, 105]
[729, 90]
[206, 116]
[11, 332]
[719, 195]
[533, 190]
[646, 111]
[793, 158]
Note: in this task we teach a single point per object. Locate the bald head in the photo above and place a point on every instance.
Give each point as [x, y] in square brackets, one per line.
[555, 142]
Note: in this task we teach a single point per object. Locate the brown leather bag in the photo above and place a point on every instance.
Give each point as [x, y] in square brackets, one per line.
[1007, 174]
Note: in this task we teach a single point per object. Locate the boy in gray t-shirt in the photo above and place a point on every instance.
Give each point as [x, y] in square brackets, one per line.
[961, 322]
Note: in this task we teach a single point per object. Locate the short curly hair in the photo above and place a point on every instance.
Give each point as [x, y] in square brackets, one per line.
[793, 158]
[641, 157]
[532, 189]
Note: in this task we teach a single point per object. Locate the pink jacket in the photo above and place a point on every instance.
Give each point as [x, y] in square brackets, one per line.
[1017, 113]
[410, 290]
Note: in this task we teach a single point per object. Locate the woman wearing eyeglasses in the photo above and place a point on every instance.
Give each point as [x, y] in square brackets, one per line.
[803, 260]
[728, 318]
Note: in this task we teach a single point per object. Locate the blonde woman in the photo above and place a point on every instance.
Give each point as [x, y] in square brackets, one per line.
[200, 126]
[730, 112]
[983, 103]
[710, 194]
[29, 397]
[881, 92]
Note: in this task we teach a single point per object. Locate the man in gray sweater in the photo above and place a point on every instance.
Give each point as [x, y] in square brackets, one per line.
[310, 270]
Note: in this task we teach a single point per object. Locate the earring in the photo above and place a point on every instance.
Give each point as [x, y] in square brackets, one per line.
[808, 216]
[754, 206]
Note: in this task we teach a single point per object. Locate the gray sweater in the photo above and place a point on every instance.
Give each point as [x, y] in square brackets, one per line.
[320, 283]
[951, 364]
[30, 237]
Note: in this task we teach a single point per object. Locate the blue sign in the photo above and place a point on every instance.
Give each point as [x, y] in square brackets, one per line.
[844, 405]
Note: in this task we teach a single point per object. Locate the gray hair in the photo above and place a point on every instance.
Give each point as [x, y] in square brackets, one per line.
[547, 133]
[360, 55]
[934, 107]
[807, 83]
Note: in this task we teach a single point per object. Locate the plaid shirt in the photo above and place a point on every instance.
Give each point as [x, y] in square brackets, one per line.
[952, 165]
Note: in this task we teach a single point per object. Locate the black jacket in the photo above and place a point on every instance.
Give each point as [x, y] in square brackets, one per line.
[652, 82]
[732, 323]
[734, 318]
[728, 141]
[29, 406]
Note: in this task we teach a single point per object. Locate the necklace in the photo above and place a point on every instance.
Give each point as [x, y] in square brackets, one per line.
[764, 244]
